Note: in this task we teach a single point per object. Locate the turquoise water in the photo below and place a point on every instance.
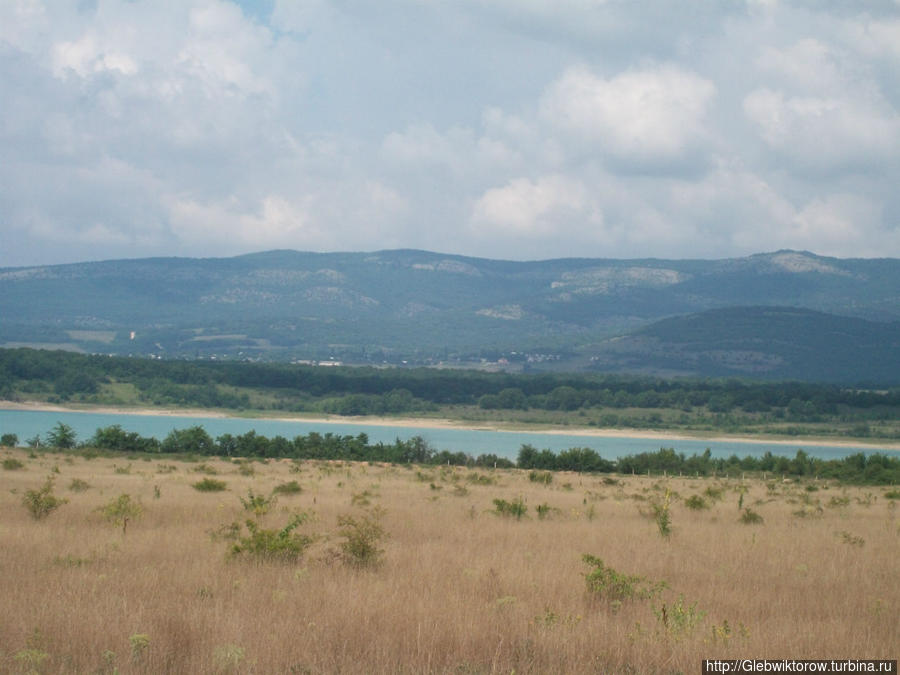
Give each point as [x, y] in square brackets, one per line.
[26, 424]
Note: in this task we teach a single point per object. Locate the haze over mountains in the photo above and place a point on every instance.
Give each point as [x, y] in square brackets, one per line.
[787, 314]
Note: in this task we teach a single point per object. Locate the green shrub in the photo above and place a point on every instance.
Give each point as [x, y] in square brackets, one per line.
[265, 545]
[290, 488]
[605, 583]
[677, 619]
[696, 502]
[751, 517]
[210, 485]
[12, 464]
[361, 498]
[9, 440]
[714, 493]
[78, 485]
[892, 494]
[362, 538]
[121, 510]
[513, 509]
[258, 505]
[545, 477]
[205, 468]
[41, 503]
[543, 510]
[661, 514]
[140, 645]
[851, 539]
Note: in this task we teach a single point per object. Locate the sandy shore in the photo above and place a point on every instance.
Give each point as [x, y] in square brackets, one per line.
[437, 423]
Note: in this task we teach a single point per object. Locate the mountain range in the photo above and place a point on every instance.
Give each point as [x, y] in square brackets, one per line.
[787, 314]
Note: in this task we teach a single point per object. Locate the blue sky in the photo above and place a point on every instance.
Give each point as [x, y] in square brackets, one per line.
[517, 129]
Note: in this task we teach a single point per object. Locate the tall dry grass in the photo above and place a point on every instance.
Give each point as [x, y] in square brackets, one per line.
[460, 589]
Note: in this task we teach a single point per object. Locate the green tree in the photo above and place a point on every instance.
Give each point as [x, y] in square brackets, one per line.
[564, 398]
[190, 440]
[512, 398]
[61, 436]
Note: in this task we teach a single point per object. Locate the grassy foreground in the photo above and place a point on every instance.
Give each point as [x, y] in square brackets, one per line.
[465, 583]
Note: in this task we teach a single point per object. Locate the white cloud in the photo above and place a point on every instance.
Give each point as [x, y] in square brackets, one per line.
[273, 222]
[808, 64]
[534, 208]
[642, 115]
[482, 127]
[876, 38]
[824, 132]
[85, 58]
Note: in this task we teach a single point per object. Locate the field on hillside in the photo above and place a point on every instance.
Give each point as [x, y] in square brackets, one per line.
[421, 570]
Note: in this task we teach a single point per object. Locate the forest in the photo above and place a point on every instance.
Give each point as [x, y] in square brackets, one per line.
[598, 400]
[67, 375]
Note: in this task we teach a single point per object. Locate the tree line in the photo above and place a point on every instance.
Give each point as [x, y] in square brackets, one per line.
[368, 390]
[876, 468]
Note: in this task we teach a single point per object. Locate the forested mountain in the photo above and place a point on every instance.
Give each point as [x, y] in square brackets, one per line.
[429, 308]
[762, 342]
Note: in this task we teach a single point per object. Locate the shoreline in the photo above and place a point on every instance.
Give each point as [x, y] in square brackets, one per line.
[463, 425]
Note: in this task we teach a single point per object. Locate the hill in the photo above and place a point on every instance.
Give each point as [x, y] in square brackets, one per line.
[429, 308]
[763, 342]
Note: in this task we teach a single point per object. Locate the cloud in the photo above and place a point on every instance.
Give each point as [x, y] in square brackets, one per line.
[275, 223]
[534, 208]
[641, 116]
[480, 127]
[824, 133]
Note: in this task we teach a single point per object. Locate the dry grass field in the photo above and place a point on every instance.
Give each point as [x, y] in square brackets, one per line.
[459, 588]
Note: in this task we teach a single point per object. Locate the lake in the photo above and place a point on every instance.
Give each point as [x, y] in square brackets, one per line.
[27, 423]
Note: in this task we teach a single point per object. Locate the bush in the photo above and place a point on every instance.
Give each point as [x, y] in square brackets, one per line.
[205, 468]
[713, 493]
[246, 469]
[289, 488]
[282, 545]
[121, 510]
[604, 582]
[545, 477]
[12, 464]
[258, 505]
[78, 485]
[751, 517]
[514, 509]
[677, 618]
[362, 536]
[9, 440]
[696, 502]
[41, 503]
[661, 514]
[210, 485]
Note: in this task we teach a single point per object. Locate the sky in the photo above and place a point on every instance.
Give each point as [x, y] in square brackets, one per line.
[513, 129]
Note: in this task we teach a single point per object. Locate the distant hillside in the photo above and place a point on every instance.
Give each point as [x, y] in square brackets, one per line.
[416, 306]
[763, 342]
